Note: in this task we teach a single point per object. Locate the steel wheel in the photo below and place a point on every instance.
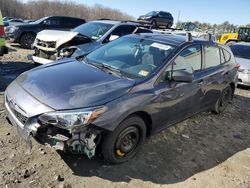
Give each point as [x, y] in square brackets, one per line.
[127, 141]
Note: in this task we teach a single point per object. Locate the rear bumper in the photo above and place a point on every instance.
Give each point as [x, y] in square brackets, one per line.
[38, 59]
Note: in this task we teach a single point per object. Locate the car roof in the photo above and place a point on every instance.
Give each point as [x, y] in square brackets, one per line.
[242, 44]
[171, 39]
[115, 22]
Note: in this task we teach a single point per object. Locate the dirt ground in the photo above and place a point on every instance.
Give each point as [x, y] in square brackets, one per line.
[206, 150]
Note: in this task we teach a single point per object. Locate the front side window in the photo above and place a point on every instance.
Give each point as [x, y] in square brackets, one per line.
[189, 60]
[212, 56]
[123, 30]
[133, 57]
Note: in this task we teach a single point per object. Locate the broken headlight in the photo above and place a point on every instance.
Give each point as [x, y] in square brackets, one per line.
[72, 118]
[67, 51]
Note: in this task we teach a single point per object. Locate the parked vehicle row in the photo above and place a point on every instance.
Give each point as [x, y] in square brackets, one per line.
[25, 34]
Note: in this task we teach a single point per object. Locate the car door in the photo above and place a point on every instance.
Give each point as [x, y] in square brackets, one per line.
[160, 18]
[178, 100]
[213, 75]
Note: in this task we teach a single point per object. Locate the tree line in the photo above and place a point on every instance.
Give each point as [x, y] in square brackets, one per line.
[224, 27]
[37, 9]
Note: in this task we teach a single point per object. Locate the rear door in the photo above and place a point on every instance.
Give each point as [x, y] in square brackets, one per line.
[178, 100]
[214, 75]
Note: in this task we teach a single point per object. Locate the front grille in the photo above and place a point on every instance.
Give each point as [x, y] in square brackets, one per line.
[45, 43]
[22, 118]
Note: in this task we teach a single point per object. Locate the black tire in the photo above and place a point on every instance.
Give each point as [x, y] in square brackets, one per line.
[230, 43]
[169, 25]
[154, 24]
[27, 40]
[223, 101]
[113, 148]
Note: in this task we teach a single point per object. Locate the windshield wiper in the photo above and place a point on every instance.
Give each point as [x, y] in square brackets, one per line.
[107, 68]
[97, 65]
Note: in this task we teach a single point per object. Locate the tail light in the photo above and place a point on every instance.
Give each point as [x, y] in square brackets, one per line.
[2, 33]
[237, 66]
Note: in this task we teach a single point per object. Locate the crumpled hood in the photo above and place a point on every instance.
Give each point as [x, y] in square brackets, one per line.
[244, 63]
[72, 84]
[54, 35]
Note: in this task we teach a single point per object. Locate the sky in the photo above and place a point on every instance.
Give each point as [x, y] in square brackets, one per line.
[211, 11]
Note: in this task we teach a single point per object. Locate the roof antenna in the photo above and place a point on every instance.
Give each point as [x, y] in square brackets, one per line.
[189, 37]
[210, 37]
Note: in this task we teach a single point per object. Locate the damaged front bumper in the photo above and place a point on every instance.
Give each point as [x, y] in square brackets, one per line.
[80, 141]
[39, 60]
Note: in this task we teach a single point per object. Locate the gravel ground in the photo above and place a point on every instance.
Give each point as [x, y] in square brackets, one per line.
[206, 150]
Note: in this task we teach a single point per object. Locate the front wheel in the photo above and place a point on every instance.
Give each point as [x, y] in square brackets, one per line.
[27, 40]
[224, 100]
[123, 144]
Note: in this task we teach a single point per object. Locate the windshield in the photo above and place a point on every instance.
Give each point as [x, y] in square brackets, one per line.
[151, 13]
[94, 30]
[241, 51]
[135, 58]
[39, 20]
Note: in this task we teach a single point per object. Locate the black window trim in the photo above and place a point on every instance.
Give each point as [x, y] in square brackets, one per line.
[230, 56]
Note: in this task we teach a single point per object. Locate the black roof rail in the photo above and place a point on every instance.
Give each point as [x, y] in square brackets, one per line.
[103, 19]
[189, 37]
[125, 21]
[210, 37]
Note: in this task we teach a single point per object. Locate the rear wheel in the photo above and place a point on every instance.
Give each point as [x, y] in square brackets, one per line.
[224, 100]
[123, 144]
[169, 25]
[27, 40]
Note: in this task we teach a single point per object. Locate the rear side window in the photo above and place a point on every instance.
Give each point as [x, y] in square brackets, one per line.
[54, 21]
[212, 56]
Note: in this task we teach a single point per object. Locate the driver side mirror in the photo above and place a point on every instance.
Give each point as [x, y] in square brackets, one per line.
[113, 37]
[182, 76]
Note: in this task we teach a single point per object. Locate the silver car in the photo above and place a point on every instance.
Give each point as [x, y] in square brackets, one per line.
[241, 52]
